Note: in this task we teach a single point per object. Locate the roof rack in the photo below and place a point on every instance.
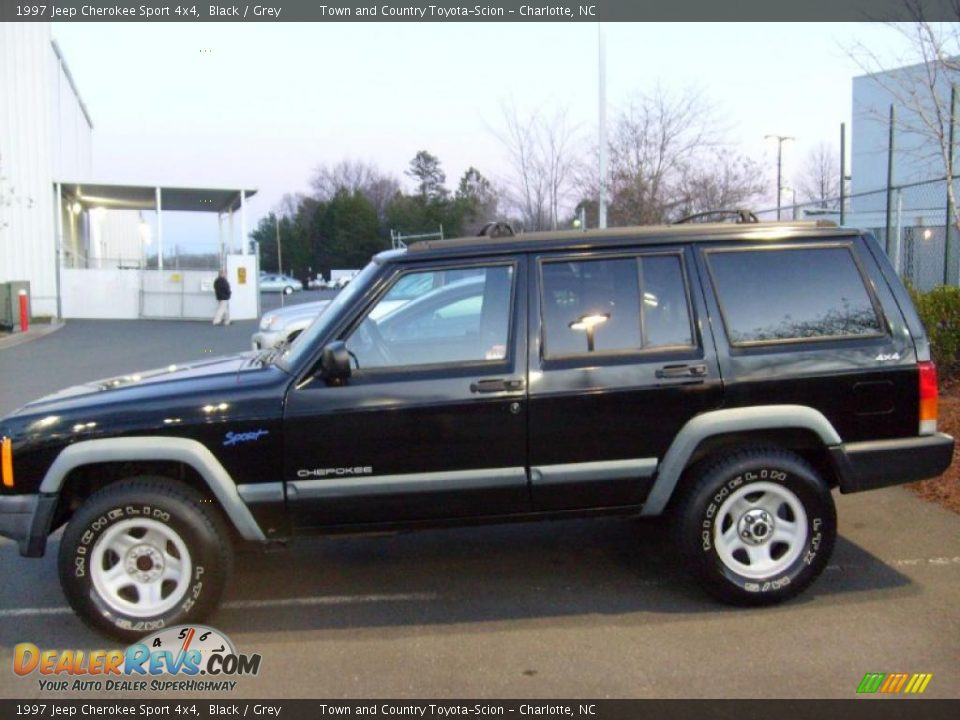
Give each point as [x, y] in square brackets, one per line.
[496, 230]
[743, 216]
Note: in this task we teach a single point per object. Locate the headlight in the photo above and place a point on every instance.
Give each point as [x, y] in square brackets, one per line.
[267, 321]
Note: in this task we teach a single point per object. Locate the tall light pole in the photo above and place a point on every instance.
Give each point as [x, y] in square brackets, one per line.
[276, 221]
[780, 140]
[602, 121]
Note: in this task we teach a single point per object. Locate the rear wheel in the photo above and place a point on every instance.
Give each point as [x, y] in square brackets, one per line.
[144, 554]
[287, 290]
[757, 527]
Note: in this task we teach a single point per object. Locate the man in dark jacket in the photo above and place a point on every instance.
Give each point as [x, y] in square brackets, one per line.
[221, 286]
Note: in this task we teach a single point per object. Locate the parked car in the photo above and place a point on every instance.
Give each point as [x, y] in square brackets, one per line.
[317, 283]
[279, 283]
[728, 376]
[285, 324]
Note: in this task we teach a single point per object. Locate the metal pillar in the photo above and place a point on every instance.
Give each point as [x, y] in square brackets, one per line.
[58, 254]
[951, 271]
[159, 230]
[889, 227]
[843, 172]
[244, 249]
[602, 119]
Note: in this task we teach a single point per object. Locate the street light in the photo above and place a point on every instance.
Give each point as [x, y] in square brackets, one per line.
[589, 323]
[780, 140]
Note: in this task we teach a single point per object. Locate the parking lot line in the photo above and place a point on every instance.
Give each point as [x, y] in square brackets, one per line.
[256, 604]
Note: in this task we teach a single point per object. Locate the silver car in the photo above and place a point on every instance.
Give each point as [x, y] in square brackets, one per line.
[285, 323]
[272, 282]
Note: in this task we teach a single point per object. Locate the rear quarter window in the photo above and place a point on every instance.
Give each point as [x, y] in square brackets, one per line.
[792, 294]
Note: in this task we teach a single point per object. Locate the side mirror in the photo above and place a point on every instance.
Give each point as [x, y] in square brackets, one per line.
[335, 361]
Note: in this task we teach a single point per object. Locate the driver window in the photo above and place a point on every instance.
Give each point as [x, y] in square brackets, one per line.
[456, 315]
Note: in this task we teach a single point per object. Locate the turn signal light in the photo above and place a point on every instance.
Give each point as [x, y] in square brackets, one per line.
[929, 398]
[6, 461]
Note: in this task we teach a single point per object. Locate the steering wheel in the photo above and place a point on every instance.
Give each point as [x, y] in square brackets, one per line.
[377, 344]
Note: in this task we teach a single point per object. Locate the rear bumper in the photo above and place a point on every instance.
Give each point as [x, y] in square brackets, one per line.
[27, 519]
[881, 463]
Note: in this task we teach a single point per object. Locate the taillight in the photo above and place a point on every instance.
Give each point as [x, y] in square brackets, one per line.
[929, 395]
[6, 461]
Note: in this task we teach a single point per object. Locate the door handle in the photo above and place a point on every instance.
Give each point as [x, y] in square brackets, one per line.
[498, 385]
[682, 371]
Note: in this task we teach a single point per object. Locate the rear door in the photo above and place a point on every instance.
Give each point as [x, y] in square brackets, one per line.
[620, 359]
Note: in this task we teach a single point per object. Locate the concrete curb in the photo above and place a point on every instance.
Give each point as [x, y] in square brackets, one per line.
[32, 334]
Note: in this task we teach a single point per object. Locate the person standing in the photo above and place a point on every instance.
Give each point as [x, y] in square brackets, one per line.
[221, 287]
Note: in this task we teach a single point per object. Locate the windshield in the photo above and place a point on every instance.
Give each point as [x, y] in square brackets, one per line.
[307, 340]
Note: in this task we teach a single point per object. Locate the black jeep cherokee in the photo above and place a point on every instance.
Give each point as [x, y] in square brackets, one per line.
[730, 375]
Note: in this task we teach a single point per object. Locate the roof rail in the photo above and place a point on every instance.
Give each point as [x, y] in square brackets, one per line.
[743, 216]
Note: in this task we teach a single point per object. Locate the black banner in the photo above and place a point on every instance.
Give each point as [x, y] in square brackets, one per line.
[441, 709]
[496, 11]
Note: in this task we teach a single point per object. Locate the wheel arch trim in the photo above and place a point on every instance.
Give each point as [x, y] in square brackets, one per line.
[722, 422]
[136, 449]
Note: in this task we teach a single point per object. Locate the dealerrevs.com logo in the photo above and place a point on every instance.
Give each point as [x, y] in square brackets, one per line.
[197, 657]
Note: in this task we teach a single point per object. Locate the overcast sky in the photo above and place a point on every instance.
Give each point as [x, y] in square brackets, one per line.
[261, 105]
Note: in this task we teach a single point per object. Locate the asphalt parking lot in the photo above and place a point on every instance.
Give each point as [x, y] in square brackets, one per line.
[563, 609]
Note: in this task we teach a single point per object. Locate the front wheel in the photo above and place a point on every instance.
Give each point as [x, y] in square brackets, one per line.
[287, 290]
[757, 527]
[144, 554]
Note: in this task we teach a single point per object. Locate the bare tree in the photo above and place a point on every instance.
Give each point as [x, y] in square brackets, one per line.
[355, 176]
[668, 159]
[727, 182]
[541, 150]
[819, 179]
[921, 91]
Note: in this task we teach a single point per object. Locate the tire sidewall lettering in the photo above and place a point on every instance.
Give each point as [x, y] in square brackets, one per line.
[815, 528]
[95, 529]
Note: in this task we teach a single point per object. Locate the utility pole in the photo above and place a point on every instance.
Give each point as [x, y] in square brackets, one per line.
[276, 224]
[602, 121]
[780, 140]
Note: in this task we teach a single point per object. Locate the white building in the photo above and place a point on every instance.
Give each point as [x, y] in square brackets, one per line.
[83, 245]
[45, 132]
[918, 205]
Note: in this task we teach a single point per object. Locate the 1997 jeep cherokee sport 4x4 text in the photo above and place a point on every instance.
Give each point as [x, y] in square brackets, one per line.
[728, 374]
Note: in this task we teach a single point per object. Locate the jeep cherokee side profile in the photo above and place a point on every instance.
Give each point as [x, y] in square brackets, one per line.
[730, 375]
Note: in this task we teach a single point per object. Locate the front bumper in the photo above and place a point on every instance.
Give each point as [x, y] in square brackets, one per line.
[881, 463]
[27, 519]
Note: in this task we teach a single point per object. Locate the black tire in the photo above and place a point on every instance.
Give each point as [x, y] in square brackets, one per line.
[175, 513]
[719, 497]
[288, 290]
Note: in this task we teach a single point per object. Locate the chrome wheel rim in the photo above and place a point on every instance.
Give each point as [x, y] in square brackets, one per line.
[761, 530]
[140, 567]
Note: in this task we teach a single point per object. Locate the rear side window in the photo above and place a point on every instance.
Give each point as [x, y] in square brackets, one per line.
[614, 305]
[792, 294]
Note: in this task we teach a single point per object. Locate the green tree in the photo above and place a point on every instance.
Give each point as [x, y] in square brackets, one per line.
[477, 201]
[345, 231]
[425, 169]
[295, 242]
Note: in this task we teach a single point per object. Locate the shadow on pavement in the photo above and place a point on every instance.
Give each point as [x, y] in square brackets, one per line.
[563, 569]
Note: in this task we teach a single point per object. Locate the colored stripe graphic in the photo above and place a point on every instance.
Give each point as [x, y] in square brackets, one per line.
[918, 683]
[871, 682]
[894, 683]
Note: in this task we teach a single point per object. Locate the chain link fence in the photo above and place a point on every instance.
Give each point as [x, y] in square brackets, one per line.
[913, 232]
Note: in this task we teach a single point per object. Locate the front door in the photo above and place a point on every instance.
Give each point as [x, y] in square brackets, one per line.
[432, 422]
[622, 358]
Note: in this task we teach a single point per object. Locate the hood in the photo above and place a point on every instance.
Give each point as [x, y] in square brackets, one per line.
[310, 309]
[208, 367]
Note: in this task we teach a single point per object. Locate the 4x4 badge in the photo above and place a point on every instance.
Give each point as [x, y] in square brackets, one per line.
[883, 358]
